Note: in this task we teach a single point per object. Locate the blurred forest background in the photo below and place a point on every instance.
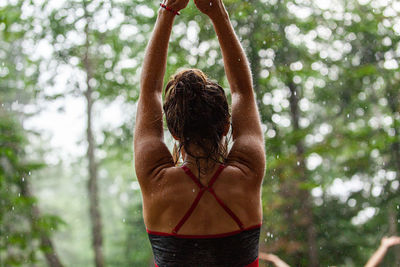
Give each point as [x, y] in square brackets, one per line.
[327, 80]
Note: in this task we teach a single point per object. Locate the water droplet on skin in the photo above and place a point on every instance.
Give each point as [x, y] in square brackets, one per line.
[194, 190]
[238, 59]
[210, 3]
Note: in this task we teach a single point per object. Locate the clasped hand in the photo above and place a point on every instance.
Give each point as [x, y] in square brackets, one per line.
[208, 7]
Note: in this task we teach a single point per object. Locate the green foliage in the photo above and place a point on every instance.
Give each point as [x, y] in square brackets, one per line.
[327, 89]
[20, 227]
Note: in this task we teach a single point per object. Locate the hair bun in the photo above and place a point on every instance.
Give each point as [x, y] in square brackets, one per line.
[190, 84]
[180, 87]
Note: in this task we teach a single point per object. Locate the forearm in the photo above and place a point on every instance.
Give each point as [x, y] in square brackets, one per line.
[155, 59]
[235, 61]
[377, 257]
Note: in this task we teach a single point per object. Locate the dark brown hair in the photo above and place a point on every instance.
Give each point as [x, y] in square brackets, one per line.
[197, 113]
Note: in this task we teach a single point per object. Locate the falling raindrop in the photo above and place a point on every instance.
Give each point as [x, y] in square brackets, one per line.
[123, 220]
[23, 179]
[348, 115]
[29, 173]
[298, 163]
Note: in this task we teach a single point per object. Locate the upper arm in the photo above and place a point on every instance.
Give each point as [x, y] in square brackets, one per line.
[245, 116]
[151, 153]
[248, 140]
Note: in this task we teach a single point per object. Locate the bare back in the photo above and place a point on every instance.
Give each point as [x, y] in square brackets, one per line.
[174, 193]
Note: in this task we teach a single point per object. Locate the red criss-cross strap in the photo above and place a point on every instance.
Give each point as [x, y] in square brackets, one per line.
[203, 189]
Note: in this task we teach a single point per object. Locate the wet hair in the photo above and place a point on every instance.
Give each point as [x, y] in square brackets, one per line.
[197, 113]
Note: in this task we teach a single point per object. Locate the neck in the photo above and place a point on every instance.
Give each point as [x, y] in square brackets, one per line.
[198, 162]
[201, 167]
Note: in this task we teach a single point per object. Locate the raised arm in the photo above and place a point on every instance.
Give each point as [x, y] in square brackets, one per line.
[273, 258]
[248, 139]
[151, 154]
[380, 253]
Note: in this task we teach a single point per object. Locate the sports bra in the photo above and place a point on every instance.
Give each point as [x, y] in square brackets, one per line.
[235, 249]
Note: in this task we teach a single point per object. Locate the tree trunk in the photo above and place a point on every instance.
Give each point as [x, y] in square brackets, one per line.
[393, 98]
[95, 217]
[305, 197]
[45, 241]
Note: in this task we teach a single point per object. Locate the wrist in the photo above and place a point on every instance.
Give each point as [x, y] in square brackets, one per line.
[162, 12]
[171, 9]
[384, 247]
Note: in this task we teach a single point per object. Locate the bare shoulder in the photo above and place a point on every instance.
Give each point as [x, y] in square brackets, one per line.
[248, 156]
[161, 195]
